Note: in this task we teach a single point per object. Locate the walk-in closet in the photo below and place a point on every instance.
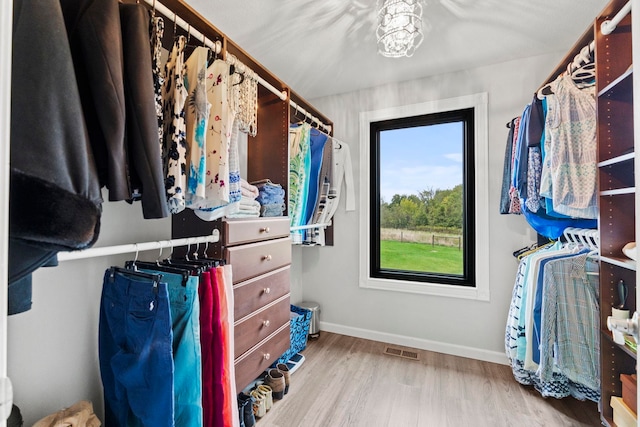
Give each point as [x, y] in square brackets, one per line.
[294, 214]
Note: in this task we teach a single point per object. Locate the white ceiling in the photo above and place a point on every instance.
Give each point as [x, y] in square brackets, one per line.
[324, 47]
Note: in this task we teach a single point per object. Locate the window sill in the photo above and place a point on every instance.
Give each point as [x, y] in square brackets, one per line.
[434, 289]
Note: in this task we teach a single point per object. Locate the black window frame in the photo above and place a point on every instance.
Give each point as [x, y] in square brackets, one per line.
[468, 277]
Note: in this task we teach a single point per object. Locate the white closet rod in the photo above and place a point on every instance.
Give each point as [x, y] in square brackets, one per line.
[137, 247]
[609, 26]
[310, 226]
[311, 116]
[216, 46]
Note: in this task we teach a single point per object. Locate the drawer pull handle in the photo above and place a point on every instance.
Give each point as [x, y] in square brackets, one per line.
[267, 290]
[266, 323]
[267, 257]
[266, 356]
[265, 230]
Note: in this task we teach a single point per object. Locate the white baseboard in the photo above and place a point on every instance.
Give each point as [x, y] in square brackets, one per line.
[419, 343]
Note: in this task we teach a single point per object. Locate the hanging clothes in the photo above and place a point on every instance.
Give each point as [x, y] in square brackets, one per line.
[317, 142]
[95, 39]
[144, 156]
[135, 350]
[196, 117]
[514, 205]
[299, 170]
[505, 200]
[175, 95]
[156, 30]
[218, 135]
[342, 173]
[324, 181]
[573, 164]
[551, 336]
[54, 205]
[184, 307]
[211, 214]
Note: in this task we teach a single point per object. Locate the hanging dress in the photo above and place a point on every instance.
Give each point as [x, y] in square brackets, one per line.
[156, 32]
[572, 163]
[175, 130]
[197, 118]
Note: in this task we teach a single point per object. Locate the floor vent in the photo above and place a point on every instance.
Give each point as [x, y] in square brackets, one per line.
[406, 354]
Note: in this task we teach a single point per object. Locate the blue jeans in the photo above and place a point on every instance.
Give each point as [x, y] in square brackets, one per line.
[136, 363]
[187, 359]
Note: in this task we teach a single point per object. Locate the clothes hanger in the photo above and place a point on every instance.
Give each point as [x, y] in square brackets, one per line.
[186, 263]
[200, 262]
[158, 267]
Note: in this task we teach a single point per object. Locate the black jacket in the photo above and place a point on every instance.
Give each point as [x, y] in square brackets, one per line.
[141, 136]
[55, 201]
[93, 30]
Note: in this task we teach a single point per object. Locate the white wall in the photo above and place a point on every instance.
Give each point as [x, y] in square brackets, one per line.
[457, 326]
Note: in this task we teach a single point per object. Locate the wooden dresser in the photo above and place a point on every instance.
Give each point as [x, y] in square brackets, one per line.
[259, 251]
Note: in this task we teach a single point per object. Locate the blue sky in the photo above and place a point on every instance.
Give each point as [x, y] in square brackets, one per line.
[419, 158]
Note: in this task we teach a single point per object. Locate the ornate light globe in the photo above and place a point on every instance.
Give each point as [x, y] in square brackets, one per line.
[399, 30]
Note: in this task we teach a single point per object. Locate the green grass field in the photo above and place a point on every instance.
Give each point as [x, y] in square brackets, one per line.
[396, 255]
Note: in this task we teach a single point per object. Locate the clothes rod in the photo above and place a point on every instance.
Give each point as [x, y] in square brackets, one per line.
[309, 115]
[215, 46]
[137, 247]
[310, 226]
[609, 26]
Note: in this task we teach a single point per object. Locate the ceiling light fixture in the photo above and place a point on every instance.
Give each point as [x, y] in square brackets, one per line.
[399, 30]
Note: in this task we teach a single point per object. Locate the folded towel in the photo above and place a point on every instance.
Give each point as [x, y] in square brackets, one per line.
[248, 202]
[276, 209]
[248, 189]
[241, 214]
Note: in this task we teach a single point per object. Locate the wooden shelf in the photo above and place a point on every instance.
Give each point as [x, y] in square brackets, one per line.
[616, 160]
[623, 85]
[618, 191]
[627, 263]
[607, 334]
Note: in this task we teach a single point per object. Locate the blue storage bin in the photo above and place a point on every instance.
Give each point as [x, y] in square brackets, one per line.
[300, 319]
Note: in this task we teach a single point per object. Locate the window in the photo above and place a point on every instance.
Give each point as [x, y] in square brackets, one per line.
[422, 194]
[424, 224]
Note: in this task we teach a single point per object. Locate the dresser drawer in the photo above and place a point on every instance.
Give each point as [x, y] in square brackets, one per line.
[253, 329]
[250, 295]
[251, 364]
[238, 231]
[255, 259]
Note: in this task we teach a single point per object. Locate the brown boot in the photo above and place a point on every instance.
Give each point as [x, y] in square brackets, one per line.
[282, 367]
[275, 380]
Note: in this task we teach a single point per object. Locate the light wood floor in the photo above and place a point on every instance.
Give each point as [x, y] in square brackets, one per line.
[349, 382]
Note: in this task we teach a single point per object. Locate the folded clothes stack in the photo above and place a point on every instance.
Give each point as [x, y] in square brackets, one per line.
[249, 208]
[271, 198]
[248, 190]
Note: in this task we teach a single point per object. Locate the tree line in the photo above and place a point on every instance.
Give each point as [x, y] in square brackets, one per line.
[428, 209]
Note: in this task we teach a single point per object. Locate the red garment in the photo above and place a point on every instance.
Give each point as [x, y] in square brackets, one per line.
[217, 355]
[206, 341]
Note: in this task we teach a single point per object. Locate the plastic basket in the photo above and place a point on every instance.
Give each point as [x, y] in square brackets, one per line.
[300, 319]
